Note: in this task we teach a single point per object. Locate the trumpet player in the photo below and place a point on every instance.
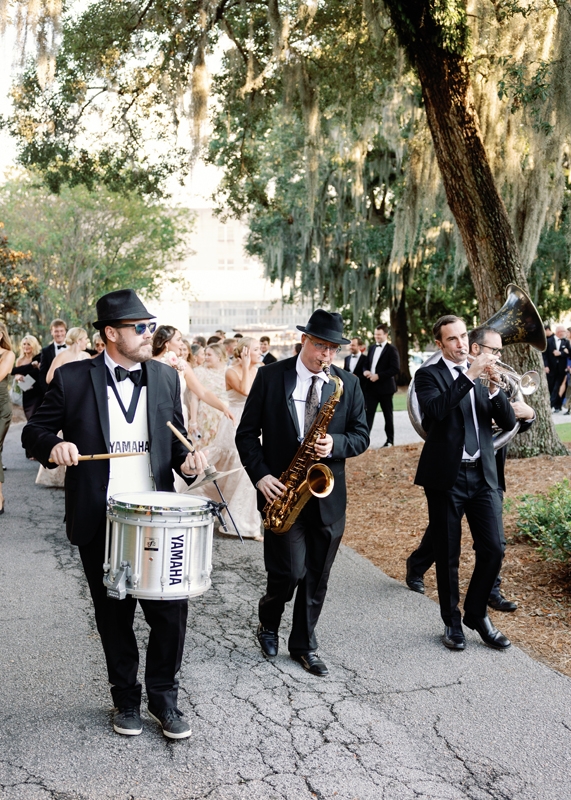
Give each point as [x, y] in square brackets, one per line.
[282, 405]
[481, 340]
[457, 469]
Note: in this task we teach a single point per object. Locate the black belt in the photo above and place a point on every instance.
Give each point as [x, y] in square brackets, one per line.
[471, 462]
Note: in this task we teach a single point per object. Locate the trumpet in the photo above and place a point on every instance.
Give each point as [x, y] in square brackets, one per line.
[510, 381]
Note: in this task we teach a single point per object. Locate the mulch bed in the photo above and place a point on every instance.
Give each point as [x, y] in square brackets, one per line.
[387, 516]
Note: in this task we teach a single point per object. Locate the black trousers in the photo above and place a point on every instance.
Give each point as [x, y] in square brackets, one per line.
[470, 495]
[386, 401]
[114, 618]
[421, 559]
[301, 558]
[556, 400]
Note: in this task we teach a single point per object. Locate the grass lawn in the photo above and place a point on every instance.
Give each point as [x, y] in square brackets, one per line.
[564, 431]
[399, 402]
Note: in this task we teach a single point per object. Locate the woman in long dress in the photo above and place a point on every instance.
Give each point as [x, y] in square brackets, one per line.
[76, 340]
[7, 358]
[167, 349]
[27, 363]
[204, 419]
[237, 487]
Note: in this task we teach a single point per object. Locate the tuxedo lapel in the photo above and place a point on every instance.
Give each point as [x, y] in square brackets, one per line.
[99, 381]
[290, 379]
[445, 372]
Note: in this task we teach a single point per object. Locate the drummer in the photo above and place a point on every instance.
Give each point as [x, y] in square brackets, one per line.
[120, 400]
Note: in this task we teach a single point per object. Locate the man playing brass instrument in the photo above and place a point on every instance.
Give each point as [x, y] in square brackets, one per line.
[282, 405]
[481, 339]
[457, 469]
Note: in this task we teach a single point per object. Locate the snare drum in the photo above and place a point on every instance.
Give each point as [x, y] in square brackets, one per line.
[158, 545]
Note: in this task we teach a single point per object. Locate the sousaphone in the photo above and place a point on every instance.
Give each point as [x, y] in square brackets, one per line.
[517, 322]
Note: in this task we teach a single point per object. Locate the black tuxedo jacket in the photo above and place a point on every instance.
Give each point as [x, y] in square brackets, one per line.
[268, 358]
[270, 411]
[76, 403]
[47, 355]
[557, 364]
[387, 369]
[439, 397]
[358, 371]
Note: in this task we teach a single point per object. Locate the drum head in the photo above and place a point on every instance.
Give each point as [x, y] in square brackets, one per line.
[161, 505]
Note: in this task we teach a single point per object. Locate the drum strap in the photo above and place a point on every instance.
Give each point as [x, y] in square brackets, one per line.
[129, 413]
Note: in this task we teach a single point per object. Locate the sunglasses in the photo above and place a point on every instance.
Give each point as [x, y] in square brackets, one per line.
[140, 327]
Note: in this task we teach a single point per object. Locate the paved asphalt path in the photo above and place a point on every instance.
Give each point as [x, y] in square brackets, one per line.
[399, 717]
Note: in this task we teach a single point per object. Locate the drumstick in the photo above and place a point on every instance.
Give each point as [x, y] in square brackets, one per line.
[183, 439]
[100, 456]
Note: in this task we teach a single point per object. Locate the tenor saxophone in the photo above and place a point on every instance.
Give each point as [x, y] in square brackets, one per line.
[306, 476]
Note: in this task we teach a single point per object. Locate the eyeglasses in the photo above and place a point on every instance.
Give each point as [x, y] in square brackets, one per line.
[140, 327]
[329, 348]
[496, 351]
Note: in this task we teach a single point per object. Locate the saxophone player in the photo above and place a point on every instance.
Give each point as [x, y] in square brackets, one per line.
[282, 405]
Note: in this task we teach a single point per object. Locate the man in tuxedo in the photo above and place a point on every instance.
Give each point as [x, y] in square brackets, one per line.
[457, 469]
[267, 357]
[420, 560]
[282, 405]
[120, 395]
[555, 360]
[58, 331]
[383, 365]
[356, 361]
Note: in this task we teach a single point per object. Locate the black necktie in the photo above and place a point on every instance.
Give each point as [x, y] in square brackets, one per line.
[311, 405]
[471, 444]
[121, 373]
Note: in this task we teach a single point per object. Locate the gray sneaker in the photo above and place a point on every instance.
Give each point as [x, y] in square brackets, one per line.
[170, 721]
[127, 721]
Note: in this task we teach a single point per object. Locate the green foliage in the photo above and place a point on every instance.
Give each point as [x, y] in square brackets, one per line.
[546, 520]
[522, 87]
[550, 274]
[83, 244]
[443, 23]
[18, 287]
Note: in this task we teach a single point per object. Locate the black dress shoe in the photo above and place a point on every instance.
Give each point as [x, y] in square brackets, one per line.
[268, 641]
[499, 603]
[490, 635]
[312, 663]
[454, 638]
[414, 582]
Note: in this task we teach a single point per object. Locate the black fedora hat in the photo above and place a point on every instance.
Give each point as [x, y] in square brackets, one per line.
[326, 326]
[122, 304]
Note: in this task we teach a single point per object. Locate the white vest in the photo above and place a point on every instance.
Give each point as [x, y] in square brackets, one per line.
[129, 474]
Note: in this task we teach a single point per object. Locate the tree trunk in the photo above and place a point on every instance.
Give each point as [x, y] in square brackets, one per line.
[399, 330]
[473, 198]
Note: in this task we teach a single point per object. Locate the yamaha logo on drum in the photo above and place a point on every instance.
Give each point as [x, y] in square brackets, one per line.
[177, 552]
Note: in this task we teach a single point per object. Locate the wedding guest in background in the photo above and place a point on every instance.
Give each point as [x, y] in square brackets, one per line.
[197, 355]
[267, 357]
[58, 331]
[229, 345]
[76, 344]
[237, 487]
[204, 419]
[185, 346]
[297, 348]
[199, 340]
[214, 340]
[7, 358]
[28, 364]
[98, 343]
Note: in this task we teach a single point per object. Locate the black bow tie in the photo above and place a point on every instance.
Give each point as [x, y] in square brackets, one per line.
[378, 344]
[121, 373]
[60, 346]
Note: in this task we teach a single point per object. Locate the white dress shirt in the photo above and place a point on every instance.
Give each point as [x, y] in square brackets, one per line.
[376, 355]
[301, 390]
[353, 361]
[455, 374]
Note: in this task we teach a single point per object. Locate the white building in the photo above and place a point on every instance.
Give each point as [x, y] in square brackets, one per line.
[227, 287]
